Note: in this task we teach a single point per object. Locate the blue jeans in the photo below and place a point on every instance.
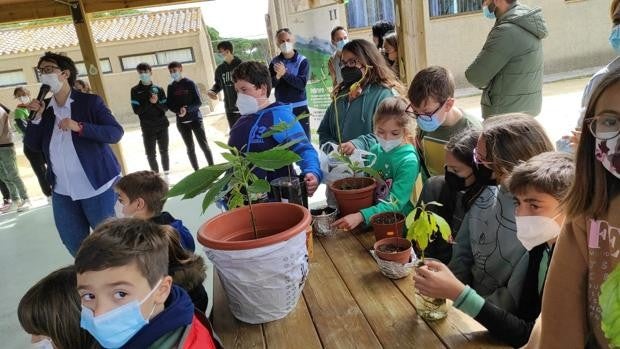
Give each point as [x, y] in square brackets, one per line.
[74, 219]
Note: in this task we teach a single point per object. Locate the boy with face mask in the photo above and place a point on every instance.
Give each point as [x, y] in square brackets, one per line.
[253, 85]
[223, 81]
[538, 186]
[289, 75]
[431, 94]
[128, 299]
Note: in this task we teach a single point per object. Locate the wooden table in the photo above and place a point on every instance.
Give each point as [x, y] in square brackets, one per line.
[348, 303]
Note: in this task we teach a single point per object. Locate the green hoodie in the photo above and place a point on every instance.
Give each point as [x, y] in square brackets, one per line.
[509, 69]
[399, 168]
[355, 117]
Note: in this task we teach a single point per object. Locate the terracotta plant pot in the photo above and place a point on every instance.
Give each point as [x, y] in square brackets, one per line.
[397, 250]
[263, 277]
[353, 193]
[387, 225]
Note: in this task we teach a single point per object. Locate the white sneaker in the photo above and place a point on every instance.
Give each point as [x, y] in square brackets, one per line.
[9, 207]
[23, 205]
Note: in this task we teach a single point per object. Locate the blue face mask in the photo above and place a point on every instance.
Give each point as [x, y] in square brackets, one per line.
[340, 44]
[145, 78]
[614, 38]
[114, 328]
[176, 76]
[429, 125]
[487, 13]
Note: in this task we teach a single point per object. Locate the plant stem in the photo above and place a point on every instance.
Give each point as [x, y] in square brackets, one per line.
[252, 218]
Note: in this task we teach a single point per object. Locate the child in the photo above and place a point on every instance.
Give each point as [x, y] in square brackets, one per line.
[184, 100]
[397, 161]
[142, 195]
[432, 102]
[538, 186]
[253, 85]
[587, 250]
[9, 173]
[50, 310]
[128, 299]
[487, 254]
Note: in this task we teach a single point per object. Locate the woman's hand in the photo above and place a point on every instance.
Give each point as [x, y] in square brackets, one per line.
[69, 124]
[311, 183]
[347, 148]
[349, 222]
[434, 279]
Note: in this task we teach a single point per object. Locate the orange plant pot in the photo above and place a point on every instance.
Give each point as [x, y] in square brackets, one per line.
[360, 196]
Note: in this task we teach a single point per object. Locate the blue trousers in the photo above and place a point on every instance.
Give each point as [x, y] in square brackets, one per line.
[74, 219]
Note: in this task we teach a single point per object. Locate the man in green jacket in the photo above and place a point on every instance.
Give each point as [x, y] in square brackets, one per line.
[509, 69]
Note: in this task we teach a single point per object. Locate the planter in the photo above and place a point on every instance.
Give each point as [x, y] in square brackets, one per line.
[288, 189]
[397, 250]
[353, 193]
[429, 308]
[322, 219]
[387, 225]
[263, 277]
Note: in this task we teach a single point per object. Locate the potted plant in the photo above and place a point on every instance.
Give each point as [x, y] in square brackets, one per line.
[388, 224]
[395, 249]
[261, 257]
[421, 225]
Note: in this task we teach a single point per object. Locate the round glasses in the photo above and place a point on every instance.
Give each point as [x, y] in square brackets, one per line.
[426, 117]
[604, 127]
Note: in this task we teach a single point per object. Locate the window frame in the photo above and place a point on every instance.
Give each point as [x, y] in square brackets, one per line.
[460, 14]
[12, 71]
[191, 50]
[369, 26]
[102, 72]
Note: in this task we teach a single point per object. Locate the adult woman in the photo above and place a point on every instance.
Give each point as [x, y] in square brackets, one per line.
[456, 190]
[390, 47]
[367, 81]
[73, 132]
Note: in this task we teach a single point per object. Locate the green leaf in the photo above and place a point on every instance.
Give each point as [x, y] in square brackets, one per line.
[199, 181]
[277, 128]
[609, 301]
[370, 171]
[215, 191]
[433, 203]
[259, 186]
[288, 144]
[230, 157]
[224, 146]
[236, 200]
[443, 226]
[272, 159]
[422, 230]
[411, 217]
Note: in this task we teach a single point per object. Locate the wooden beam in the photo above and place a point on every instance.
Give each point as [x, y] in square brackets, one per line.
[91, 61]
[412, 24]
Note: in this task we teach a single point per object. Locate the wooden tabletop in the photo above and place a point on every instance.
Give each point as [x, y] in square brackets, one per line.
[348, 303]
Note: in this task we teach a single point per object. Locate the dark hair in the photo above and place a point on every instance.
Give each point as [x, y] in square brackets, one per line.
[461, 146]
[63, 62]
[435, 81]
[120, 242]
[379, 29]
[51, 308]
[256, 73]
[612, 10]
[379, 72]
[511, 139]
[147, 185]
[335, 30]
[85, 85]
[186, 268]
[392, 40]
[550, 173]
[225, 45]
[174, 64]
[283, 30]
[143, 67]
[21, 89]
[594, 187]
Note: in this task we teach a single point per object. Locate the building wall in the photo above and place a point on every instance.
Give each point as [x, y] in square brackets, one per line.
[118, 83]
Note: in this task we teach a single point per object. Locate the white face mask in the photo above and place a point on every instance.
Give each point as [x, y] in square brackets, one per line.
[389, 145]
[24, 99]
[45, 343]
[118, 210]
[51, 80]
[286, 47]
[536, 230]
[611, 158]
[246, 104]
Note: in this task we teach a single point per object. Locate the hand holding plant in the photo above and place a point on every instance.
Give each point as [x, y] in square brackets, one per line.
[434, 279]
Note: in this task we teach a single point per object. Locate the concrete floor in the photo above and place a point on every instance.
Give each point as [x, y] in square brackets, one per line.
[30, 247]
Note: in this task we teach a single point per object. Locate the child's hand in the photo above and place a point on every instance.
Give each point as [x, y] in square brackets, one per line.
[311, 183]
[347, 148]
[349, 222]
[435, 280]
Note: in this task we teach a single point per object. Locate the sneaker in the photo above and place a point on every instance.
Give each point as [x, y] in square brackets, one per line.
[49, 200]
[23, 205]
[10, 207]
[5, 205]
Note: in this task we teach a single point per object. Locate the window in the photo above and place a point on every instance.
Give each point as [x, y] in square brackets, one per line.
[104, 63]
[12, 78]
[158, 59]
[439, 8]
[364, 13]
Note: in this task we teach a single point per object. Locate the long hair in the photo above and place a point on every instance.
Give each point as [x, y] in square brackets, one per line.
[594, 187]
[395, 108]
[461, 146]
[186, 268]
[378, 70]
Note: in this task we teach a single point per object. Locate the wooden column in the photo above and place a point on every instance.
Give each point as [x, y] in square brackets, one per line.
[91, 62]
[412, 23]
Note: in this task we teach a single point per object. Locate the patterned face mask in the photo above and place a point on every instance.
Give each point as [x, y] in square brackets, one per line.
[607, 152]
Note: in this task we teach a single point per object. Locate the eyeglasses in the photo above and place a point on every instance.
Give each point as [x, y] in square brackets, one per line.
[478, 160]
[426, 117]
[47, 70]
[350, 63]
[604, 127]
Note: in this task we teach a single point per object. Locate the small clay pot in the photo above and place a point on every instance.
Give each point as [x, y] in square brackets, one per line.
[384, 230]
[353, 193]
[397, 250]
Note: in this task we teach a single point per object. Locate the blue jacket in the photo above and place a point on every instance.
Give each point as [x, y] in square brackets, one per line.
[99, 129]
[291, 87]
[187, 240]
[184, 93]
[246, 135]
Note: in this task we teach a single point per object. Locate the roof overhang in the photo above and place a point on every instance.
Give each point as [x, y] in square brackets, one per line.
[26, 10]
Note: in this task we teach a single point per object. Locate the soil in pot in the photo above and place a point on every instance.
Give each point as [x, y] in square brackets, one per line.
[353, 193]
[397, 250]
[387, 224]
[429, 308]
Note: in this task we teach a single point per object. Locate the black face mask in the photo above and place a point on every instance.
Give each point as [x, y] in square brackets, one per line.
[350, 75]
[484, 174]
[455, 182]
